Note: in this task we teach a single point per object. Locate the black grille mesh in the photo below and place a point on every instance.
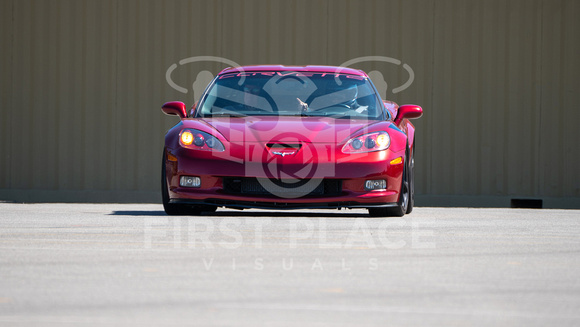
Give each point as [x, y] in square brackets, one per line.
[264, 187]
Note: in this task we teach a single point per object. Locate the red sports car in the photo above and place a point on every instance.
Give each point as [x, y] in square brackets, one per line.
[282, 137]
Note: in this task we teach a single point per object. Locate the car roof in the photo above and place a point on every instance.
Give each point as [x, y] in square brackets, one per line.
[282, 68]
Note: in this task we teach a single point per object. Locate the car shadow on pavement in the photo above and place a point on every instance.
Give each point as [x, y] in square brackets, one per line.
[267, 214]
[138, 213]
[297, 214]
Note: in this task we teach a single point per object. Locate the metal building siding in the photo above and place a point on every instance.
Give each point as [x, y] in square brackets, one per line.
[63, 69]
[274, 32]
[560, 114]
[485, 73]
[6, 31]
[498, 81]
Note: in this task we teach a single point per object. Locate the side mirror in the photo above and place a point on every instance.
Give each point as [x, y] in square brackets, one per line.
[175, 108]
[408, 111]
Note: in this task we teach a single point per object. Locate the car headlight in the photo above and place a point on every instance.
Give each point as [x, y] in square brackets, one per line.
[198, 140]
[375, 141]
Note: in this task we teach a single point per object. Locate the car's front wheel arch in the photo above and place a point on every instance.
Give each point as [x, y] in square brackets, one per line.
[404, 199]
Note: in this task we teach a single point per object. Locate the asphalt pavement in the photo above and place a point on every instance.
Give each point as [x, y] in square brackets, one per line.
[131, 265]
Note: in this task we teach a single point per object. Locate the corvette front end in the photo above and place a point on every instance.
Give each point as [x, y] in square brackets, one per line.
[301, 141]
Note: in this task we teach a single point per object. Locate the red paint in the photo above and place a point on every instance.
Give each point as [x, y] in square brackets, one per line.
[174, 108]
[279, 147]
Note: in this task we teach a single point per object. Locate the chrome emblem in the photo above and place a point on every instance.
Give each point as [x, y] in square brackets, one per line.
[283, 154]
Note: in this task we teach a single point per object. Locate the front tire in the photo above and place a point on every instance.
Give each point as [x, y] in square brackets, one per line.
[405, 195]
[411, 178]
[171, 209]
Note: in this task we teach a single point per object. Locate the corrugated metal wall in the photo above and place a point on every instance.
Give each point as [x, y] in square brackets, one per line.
[82, 83]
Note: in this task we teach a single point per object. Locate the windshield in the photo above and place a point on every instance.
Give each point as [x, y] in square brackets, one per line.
[291, 94]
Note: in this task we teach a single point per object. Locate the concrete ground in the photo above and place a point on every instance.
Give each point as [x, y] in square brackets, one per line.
[131, 265]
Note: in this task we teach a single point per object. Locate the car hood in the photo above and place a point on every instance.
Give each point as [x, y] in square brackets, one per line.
[288, 129]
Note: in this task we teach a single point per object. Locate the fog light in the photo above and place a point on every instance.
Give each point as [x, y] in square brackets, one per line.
[378, 184]
[189, 181]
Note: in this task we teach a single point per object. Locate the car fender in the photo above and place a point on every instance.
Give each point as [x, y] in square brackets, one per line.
[410, 133]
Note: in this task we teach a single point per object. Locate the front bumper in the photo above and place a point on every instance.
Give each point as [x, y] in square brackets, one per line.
[351, 173]
[279, 205]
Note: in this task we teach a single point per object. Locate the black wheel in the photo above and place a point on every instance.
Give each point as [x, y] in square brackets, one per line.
[402, 206]
[411, 179]
[171, 209]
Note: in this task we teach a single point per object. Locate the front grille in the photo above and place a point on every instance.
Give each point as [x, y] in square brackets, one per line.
[277, 188]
